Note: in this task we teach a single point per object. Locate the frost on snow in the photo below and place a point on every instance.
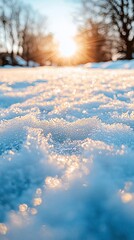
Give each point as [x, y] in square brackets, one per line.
[66, 154]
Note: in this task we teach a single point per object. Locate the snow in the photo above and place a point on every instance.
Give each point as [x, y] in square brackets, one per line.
[20, 61]
[119, 64]
[33, 64]
[66, 154]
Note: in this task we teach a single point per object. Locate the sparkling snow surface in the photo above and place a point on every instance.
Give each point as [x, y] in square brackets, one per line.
[66, 154]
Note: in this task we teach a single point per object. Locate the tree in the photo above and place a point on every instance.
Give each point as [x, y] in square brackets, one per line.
[93, 36]
[10, 18]
[34, 39]
[23, 31]
[3, 23]
[119, 15]
[95, 45]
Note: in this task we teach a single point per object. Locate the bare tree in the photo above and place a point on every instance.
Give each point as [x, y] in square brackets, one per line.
[23, 31]
[121, 13]
[93, 36]
[10, 18]
[94, 44]
[119, 16]
[34, 38]
[3, 23]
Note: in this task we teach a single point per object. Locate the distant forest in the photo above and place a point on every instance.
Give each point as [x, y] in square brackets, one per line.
[105, 32]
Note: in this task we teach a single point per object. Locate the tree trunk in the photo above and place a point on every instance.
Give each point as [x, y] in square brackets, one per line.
[12, 58]
[129, 50]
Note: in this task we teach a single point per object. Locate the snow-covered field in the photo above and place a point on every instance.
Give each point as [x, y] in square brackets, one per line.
[66, 154]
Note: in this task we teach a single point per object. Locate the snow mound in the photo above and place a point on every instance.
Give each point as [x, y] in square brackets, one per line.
[20, 61]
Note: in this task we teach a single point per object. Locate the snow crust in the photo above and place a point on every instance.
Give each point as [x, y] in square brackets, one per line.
[66, 154]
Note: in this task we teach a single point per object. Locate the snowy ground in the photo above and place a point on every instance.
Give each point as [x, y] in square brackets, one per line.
[126, 64]
[66, 154]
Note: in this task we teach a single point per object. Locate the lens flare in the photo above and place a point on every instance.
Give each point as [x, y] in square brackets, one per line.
[67, 47]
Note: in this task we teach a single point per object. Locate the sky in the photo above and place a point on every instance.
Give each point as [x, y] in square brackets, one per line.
[59, 14]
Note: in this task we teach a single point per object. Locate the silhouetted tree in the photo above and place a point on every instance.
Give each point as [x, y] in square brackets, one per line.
[119, 16]
[93, 36]
[35, 41]
[3, 23]
[121, 13]
[11, 15]
[23, 31]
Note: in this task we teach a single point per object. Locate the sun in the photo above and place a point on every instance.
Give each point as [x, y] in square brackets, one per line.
[67, 47]
[65, 38]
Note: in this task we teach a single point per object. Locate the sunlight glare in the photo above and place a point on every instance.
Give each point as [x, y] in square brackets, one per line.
[66, 39]
[67, 47]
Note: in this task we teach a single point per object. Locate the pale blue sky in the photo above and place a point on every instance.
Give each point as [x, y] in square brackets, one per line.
[58, 12]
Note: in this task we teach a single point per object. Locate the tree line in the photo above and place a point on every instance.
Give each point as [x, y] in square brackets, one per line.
[23, 32]
[105, 29]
